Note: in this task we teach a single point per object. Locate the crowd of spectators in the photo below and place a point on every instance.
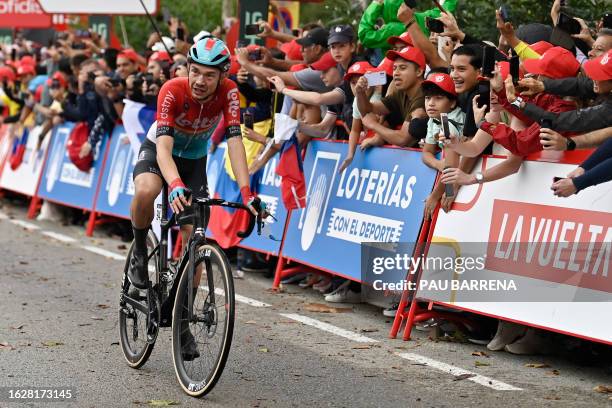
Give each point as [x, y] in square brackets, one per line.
[558, 100]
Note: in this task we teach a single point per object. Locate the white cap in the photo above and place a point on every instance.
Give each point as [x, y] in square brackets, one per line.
[159, 46]
[200, 35]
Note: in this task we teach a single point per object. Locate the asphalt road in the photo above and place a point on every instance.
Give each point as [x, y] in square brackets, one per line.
[58, 328]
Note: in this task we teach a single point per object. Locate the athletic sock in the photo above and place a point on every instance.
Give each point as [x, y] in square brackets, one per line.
[140, 238]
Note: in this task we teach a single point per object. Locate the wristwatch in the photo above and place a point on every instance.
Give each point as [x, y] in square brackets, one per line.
[517, 102]
[570, 144]
[479, 177]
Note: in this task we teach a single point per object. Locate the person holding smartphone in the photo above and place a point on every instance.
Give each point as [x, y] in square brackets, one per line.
[440, 99]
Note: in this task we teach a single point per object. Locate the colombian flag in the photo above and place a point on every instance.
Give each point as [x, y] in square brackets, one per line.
[19, 149]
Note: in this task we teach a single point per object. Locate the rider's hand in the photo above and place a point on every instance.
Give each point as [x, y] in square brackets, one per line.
[177, 195]
[249, 199]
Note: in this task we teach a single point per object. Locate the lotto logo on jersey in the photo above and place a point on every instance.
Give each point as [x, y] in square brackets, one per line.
[234, 103]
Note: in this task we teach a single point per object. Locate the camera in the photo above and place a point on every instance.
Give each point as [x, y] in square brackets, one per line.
[434, 25]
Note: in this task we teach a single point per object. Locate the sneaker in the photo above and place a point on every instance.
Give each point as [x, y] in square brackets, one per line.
[533, 342]
[343, 295]
[507, 332]
[310, 280]
[138, 271]
[391, 310]
[323, 285]
[293, 278]
[254, 265]
[238, 273]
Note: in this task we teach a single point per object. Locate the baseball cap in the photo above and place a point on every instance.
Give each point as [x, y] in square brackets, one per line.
[27, 60]
[533, 32]
[403, 38]
[442, 81]
[7, 73]
[316, 36]
[129, 54]
[409, 54]
[159, 46]
[25, 70]
[541, 47]
[341, 34]
[160, 56]
[555, 63]
[59, 77]
[600, 68]
[324, 63]
[292, 50]
[386, 65]
[358, 68]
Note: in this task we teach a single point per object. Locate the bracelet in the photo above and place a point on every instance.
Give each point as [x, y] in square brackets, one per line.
[410, 22]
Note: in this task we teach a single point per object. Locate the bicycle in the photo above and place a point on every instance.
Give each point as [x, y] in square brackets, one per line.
[171, 300]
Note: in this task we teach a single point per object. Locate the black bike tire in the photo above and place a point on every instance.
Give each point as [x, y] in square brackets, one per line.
[205, 387]
[136, 360]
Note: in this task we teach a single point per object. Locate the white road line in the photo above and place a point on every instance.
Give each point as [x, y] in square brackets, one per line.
[329, 328]
[58, 236]
[26, 225]
[477, 378]
[240, 298]
[104, 252]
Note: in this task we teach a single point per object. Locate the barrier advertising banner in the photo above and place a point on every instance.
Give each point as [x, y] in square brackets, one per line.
[268, 191]
[6, 144]
[24, 178]
[378, 198]
[62, 181]
[100, 7]
[117, 188]
[544, 260]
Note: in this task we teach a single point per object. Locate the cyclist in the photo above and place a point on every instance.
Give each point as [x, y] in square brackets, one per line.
[188, 111]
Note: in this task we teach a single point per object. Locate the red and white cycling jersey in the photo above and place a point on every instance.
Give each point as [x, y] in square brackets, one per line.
[192, 123]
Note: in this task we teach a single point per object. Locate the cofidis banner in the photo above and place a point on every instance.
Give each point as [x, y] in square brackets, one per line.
[117, 188]
[378, 198]
[62, 181]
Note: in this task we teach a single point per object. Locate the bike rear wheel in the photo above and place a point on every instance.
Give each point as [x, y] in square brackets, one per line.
[211, 326]
[133, 322]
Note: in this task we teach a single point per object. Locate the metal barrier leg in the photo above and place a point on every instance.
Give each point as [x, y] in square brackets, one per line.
[91, 224]
[279, 263]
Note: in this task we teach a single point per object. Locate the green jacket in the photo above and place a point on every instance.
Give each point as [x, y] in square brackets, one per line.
[372, 38]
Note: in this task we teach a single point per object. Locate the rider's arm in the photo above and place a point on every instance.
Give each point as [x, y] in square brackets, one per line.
[164, 158]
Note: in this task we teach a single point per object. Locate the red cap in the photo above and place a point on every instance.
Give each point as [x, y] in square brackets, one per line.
[298, 67]
[600, 68]
[541, 47]
[160, 56]
[130, 54]
[442, 81]
[403, 38]
[7, 73]
[252, 47]
[411, 54]
[324, 63]
[25, 70]
[27, 60]
[386, 65]
[59, 77]
[358, 68]
[292, 50]
[504, 70]
[555, 63]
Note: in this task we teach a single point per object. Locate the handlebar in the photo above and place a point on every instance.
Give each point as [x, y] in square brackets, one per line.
[209, 202]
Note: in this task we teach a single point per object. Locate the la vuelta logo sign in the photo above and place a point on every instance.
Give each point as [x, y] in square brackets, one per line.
[568, 246]
[23, 13]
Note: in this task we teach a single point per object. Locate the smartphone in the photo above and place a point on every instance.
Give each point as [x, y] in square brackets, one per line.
[555, 179]
[434, 25]
[248, 120]
[568, 24]
[166, 14]
[295, 32]
[488, 61]
[607, 21]
[410, 3]
[445, 126]
[251, 29]
[180, 34]
[514, 68]
[546, 123]
[78, 46]
[376, 78]
[505, 14]
[484, 94]
[255, 55]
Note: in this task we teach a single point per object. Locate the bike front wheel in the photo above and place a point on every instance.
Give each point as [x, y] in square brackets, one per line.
[202, 331]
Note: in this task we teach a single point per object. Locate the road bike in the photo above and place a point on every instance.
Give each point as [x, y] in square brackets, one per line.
[194, 296]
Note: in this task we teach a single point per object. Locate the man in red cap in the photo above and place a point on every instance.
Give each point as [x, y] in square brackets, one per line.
[127, 63]
[401, 41]
[399, 108]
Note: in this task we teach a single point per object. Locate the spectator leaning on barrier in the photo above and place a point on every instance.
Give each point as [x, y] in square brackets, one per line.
[399, 108]
[598, 167]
